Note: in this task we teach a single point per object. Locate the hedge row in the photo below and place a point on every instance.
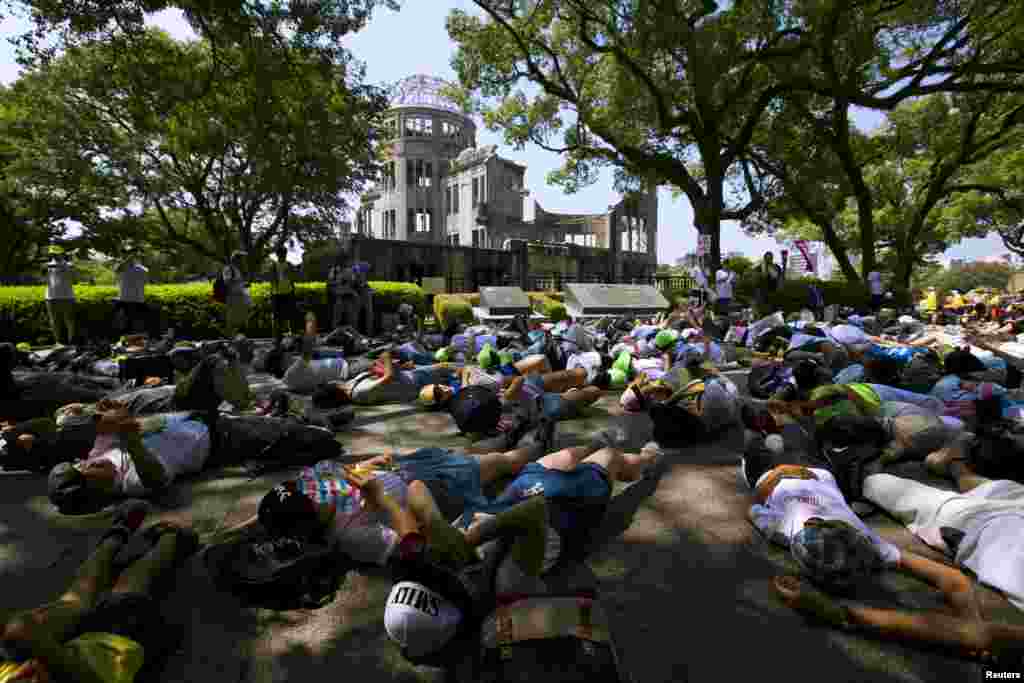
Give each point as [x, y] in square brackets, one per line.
[450, 309]
[188, 308]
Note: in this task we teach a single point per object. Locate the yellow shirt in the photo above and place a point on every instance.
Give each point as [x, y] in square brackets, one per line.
[931, 301]
[117, 659]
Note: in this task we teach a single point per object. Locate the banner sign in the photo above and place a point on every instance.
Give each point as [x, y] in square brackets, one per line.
[803, 246]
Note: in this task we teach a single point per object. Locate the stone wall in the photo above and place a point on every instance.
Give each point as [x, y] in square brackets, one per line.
[466, 268]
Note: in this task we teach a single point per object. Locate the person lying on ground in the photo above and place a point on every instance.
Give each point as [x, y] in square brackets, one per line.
[388, 384]
[548, 522]
[853, 399]
[106, 627]
[321, 504]
[38, 394]
[137, 457]
[907, 436]
[687, 405]
[979, 526]
[40, 444]
[562, 395]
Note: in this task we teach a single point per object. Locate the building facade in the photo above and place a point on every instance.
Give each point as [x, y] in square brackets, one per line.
[439, 187]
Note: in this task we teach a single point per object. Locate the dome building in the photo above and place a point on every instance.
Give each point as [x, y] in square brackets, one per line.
[439, 187]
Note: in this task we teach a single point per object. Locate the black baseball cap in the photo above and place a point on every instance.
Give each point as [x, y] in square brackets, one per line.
[286, 511]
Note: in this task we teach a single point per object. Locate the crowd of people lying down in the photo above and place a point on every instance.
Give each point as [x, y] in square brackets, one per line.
[484, 542]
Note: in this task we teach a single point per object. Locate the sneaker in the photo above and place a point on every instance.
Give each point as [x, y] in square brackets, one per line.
[127, 519]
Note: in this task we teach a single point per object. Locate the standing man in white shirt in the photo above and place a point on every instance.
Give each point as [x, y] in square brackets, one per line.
[877, 291]
[237, 301]
[724, 280]
[701, 280]
[130, 308]
[60, 296]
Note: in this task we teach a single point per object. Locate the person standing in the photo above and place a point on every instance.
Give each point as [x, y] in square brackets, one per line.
[877, 290]
[769, 279]
[60, 296]
[130, 309]
[337, 290]
[237, 301]
[724, 280]
[283, 296]
[701, 290]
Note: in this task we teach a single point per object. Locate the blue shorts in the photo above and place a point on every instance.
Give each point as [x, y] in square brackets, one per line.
[459, 473]
[582, 493]
[558, 408]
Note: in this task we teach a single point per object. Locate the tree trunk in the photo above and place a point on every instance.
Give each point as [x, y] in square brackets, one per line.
[838, 249]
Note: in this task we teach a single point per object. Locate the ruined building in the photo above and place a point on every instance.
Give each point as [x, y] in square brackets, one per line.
[438, 187]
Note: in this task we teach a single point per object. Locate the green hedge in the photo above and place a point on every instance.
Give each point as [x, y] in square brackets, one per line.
[188, 308]
[458, 308]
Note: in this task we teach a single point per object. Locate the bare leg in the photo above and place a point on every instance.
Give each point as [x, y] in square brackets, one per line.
[559, 382]
[537, 363]
[623, 466]
[567, 458]
[494, 466]
[585, 396]
[57, 619]
[442, 537]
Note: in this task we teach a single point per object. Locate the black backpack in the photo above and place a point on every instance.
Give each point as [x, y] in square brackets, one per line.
[308, 579]
[476, 410]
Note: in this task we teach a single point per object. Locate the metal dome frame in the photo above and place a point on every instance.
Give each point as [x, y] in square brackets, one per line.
[423, 91]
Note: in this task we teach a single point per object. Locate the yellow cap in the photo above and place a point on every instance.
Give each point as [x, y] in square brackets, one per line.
[427, 394]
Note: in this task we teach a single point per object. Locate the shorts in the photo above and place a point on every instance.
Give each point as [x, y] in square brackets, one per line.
[558, 408]
[583, 494]
[135, 616]
[533, 386]
[458, 475]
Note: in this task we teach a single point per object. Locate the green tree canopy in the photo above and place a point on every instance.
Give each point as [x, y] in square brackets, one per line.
[252, 161]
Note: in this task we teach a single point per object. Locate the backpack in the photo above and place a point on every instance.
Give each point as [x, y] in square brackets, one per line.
[476, 410]
[220, 288]
[308, 576]
[764, 381]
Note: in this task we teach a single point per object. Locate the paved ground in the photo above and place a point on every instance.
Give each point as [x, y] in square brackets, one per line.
[685, 578]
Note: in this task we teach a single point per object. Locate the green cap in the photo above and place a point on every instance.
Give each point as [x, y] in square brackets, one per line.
[487, 357]
[442, 355]
[617, 378]
[24, 347]
[665, 339]
[624, 363]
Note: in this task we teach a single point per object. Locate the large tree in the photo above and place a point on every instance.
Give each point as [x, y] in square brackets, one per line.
[264, 152]
[665, 93]
[673, 91]
[913, 170]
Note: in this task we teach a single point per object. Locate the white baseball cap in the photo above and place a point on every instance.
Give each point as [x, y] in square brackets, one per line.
[420, 620]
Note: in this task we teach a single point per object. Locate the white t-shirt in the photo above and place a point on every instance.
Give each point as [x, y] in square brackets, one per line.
[237, 289]
[875, 282]
[591, 361]
[181, 445]
[848, 335]
[58, 281]
[303, 377]
[131, 282]
[794, 501]
[725, 278]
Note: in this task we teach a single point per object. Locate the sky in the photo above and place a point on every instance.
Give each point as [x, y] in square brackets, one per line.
[414, 41]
